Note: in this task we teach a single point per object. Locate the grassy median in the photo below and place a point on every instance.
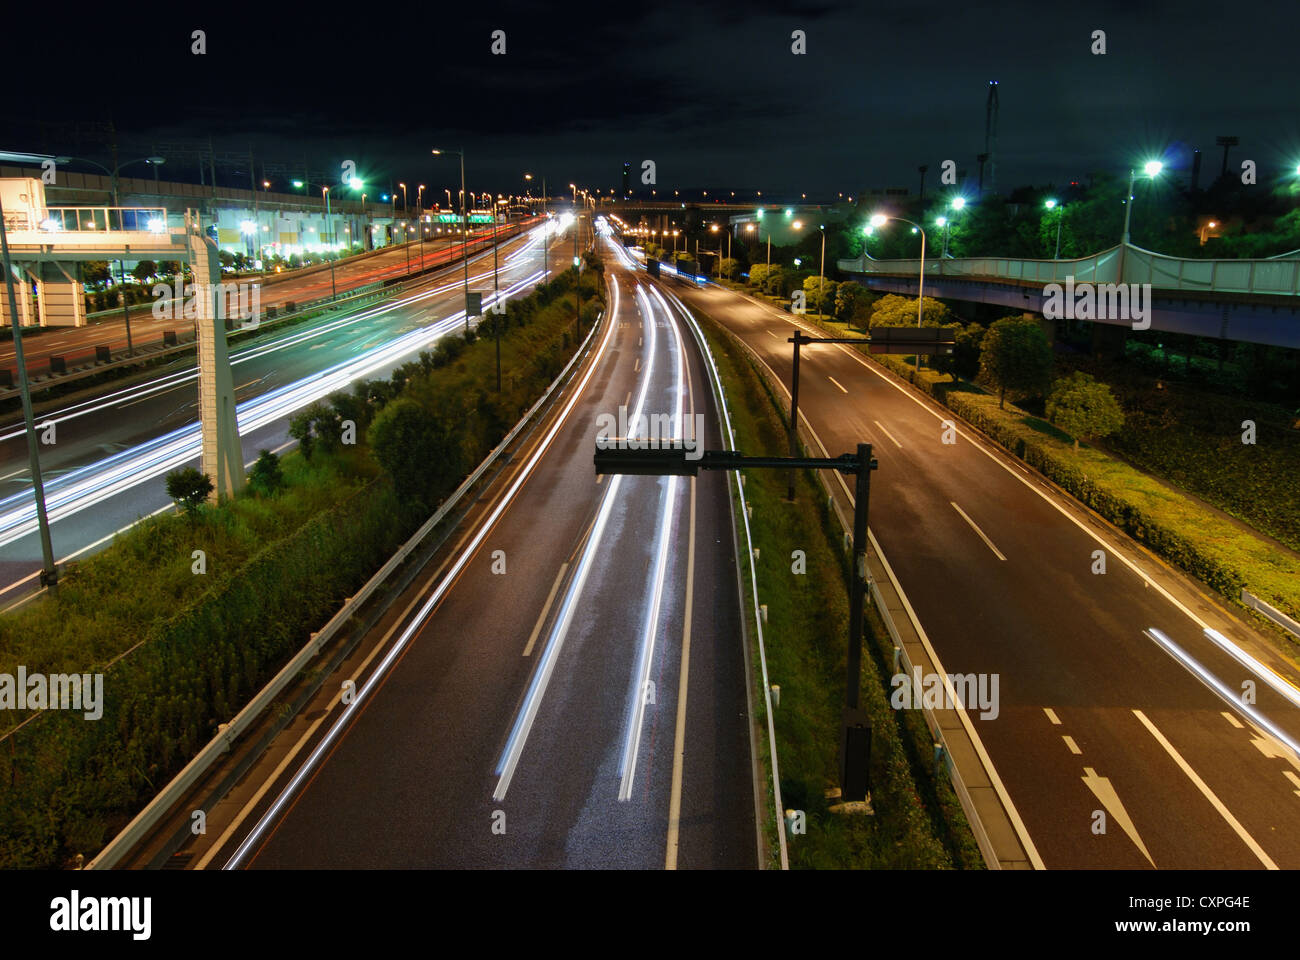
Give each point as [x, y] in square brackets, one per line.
[918, 821]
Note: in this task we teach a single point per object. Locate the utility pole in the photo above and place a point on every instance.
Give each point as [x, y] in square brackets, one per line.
[49, 573]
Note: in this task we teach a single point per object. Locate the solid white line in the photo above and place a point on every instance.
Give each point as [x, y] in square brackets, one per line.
[1051, 715]
[1209, 794]
[679, 737]
[887, 433]
[546, 608]
[973, 526]
[837, 383]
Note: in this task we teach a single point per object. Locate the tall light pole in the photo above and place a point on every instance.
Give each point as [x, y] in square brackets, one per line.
[1053, 205]
[879, 220]
[49, 573]
[821, 275]
[464, 218]
[1152, 170]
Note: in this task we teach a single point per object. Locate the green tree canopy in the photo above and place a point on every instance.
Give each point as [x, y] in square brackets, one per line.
[1084, 407]
[189, 489]
[892, 310]
[1016, 357]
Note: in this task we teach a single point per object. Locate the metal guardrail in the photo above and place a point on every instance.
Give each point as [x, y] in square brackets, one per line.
[148, 818]
[1270, 611]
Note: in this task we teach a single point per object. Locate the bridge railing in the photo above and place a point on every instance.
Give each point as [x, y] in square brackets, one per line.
[1280, 276]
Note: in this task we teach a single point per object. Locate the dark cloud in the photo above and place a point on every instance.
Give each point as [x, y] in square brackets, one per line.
[709, 90]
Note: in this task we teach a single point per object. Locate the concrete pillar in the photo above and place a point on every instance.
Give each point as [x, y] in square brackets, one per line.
[23, 294]
[61, 297]
[222, 458]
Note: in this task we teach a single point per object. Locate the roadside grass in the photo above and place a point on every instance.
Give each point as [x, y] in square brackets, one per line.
[1176, 527]
[918, 821]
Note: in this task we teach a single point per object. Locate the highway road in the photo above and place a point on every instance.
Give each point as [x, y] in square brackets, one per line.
[113, 448]
[1094, 714]
[584, 707]
[77, 344]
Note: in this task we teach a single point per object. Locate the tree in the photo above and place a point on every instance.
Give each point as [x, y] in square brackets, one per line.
[266, 477]
[820, 293]
[94, 271]
[1084, 407]
[966, 352]
[947, 362]
[145, 270]
[853, 304]
[758, 275]
[730, 267]
[189, 489]
[318, 423]
[892, 310]
[419, 451]
[1017, 357]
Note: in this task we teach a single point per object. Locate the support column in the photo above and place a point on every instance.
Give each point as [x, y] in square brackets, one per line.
[61, 297]
[23, 294]
[222, 458]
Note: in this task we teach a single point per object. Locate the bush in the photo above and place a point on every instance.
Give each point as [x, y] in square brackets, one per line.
[1083, 407]
[189, 489]
[266, 478]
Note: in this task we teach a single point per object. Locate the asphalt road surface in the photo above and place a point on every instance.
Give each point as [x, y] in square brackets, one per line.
[550, 715]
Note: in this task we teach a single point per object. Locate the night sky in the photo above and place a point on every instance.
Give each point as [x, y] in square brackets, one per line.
[709, 90]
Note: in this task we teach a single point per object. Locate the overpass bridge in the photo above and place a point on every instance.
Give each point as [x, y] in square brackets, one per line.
[1254, 301]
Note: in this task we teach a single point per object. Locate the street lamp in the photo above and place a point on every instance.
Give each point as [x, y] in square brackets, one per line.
[1152, 170]
[879, 220]
[1053, 205]
[464, 216]
[49, 572]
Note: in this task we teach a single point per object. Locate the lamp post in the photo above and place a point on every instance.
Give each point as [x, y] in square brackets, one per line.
[879, 220]
[49, 572]
[1152, 170]
[1053, 205]
[821, 275]
[464, 217]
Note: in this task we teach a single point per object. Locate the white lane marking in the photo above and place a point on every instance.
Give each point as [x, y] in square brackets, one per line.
[1209, 794]
[1233, 720]
[837, 383]
[974, 527]
[679, 737]
[546, 608]
[636, 368]
[1104, 791]
[533, 697]
[1051, 715]
[1074, 747]
[887, 433]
